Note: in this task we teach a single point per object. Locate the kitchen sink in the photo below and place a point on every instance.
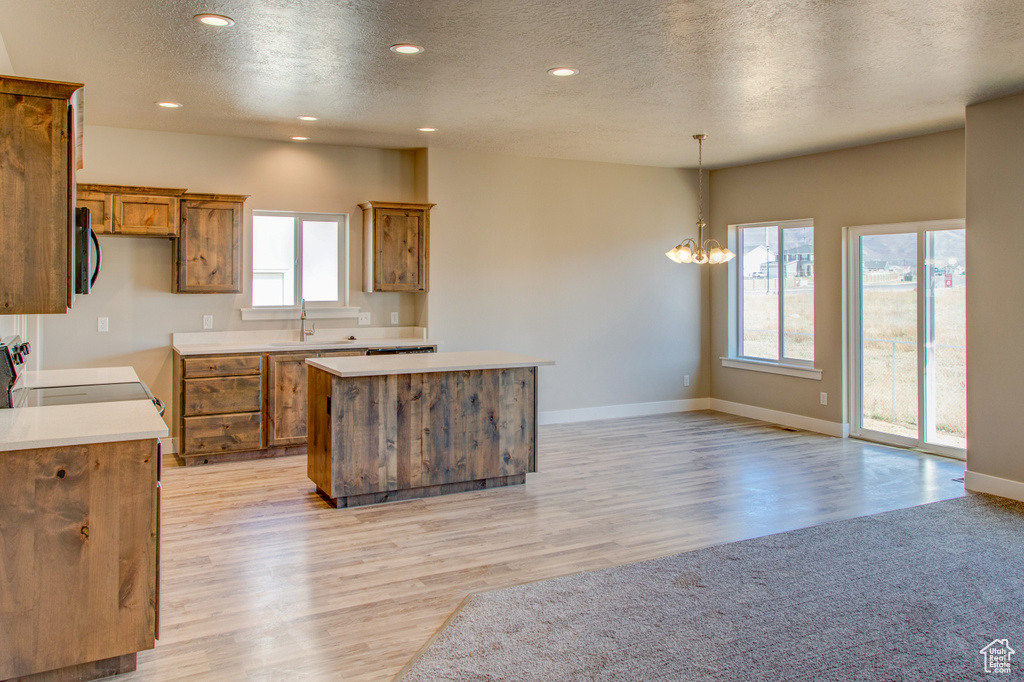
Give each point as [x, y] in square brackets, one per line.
[317, 344]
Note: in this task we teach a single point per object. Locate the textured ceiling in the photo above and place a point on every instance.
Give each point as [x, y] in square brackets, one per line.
[764, 78]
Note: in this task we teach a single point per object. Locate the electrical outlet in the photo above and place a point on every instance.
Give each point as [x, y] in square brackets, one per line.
[103, 324]
[686, 380]
[824, 398]
[394, 318]
[364, 318]
[207, 321]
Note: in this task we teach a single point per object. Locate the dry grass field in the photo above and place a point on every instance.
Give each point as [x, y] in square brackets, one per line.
[890, 387]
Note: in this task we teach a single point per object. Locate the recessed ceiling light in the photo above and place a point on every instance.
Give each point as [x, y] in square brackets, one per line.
[307, 118]
[427, 130]
[406, 48]
[214, 20]
[563, 71]
[169, 105]
[299, 138]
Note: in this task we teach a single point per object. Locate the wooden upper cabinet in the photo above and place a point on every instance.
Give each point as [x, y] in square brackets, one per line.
[396, 242]
[37, 180]
[208, 257]
[131, 211]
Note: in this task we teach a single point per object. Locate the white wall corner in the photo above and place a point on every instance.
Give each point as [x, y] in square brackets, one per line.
[993, 485]
[796, 421]
[586, 414]
[169, 445]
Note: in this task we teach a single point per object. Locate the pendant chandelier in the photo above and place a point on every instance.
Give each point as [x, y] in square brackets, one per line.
[700, 250]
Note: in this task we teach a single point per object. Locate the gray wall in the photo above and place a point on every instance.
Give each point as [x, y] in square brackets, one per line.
[565, 260]
[919, 178]
[995, 324]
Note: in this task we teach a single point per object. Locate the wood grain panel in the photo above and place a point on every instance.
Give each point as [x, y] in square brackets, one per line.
[396, 241]
[34, 205]
[100, 207]
[286, 398]
[145, 215]
[77, 555]
[209, 247]
[421, 431]
[222, 365]
[320, 427]
[222, 433]
[222, 395]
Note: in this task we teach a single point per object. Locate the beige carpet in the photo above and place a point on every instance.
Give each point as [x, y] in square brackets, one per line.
[912, 594]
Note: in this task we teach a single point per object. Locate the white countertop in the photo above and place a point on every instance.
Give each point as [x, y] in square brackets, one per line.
[23, 428]
[78, 377]
[280, 341]
[421, 363]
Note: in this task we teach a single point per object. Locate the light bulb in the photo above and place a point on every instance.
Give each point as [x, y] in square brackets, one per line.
[716, 255]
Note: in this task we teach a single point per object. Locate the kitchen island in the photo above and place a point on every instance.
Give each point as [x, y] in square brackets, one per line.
[398, 427]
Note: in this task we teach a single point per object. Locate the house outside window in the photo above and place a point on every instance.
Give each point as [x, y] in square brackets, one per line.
[772, 306]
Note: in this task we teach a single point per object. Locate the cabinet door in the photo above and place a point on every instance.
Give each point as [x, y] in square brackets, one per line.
[209, 254]
[286, 398]
[35, 216]
[401, 252]
[99, 205]
[396, 240]
[287, 395]
[145, 216]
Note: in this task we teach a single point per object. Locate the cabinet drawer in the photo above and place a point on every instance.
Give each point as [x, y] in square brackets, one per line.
[222, 365]
[222, 433]
[145, 215]
[221, 395]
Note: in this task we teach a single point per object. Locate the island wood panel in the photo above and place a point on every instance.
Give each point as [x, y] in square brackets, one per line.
[222, 433]
[421, 431]
[221, 365]
[77, 555]
[223, 395]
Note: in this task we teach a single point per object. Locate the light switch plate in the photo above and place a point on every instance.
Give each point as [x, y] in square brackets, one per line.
[102, 324]
[207, 321]
[394, 318]
[824, 398]
[364, 318]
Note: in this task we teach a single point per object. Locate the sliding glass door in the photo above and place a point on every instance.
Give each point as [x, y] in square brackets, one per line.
[908, 343]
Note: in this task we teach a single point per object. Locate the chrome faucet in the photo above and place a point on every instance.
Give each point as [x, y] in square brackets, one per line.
[306, 333]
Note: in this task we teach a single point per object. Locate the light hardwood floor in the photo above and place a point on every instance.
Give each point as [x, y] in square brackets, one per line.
[262, 580]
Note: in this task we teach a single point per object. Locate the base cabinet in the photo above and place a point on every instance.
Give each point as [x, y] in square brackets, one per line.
[78, 559]
[245, 405]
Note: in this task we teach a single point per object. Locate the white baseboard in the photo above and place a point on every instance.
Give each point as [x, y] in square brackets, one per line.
[170, 445]
[587, 414]
[795, 421]
[993, 485]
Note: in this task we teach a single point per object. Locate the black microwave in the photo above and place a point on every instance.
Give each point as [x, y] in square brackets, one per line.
[86, 267]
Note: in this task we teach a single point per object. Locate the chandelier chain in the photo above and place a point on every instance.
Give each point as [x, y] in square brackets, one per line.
[700, 180]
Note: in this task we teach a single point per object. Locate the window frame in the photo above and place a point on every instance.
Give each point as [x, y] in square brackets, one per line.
[736, 358]
[314, 309]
